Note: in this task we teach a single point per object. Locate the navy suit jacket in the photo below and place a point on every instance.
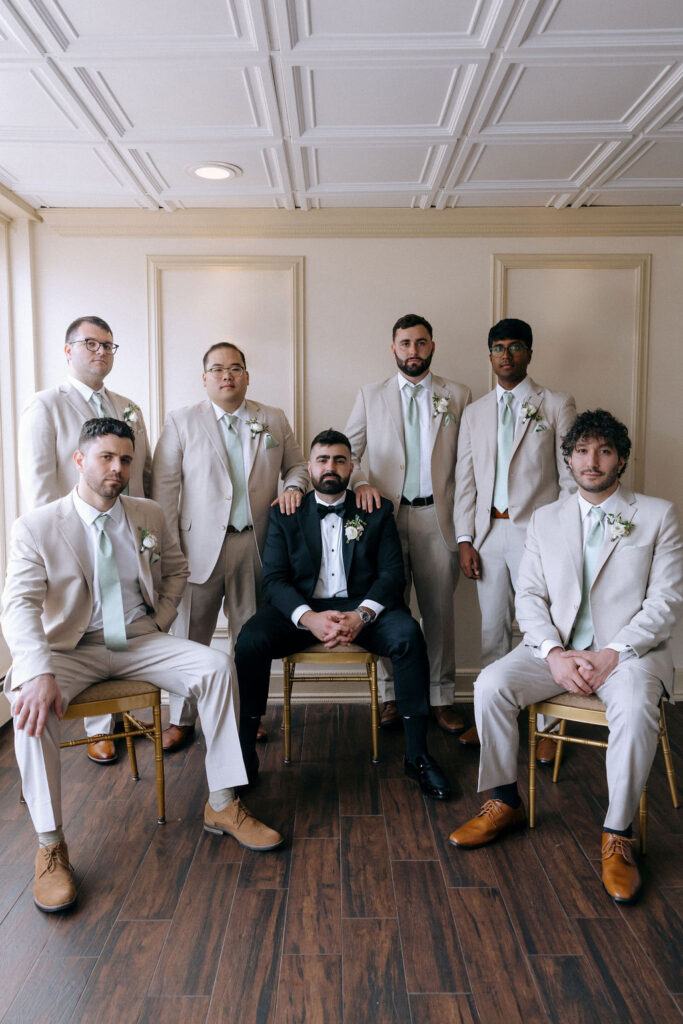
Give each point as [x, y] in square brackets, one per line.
[293, 552]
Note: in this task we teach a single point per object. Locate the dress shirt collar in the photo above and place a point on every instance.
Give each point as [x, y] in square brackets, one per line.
[332, 504]
[86, 391]
[89, 514]
[519, 393]
[426, 382]
[607, 505]
[240, 412]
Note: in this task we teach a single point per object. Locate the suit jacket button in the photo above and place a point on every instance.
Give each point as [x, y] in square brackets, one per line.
[223, 527]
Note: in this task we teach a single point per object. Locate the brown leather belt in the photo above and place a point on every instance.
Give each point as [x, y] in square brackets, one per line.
[495, 514]
[418, 502]
[231, 529]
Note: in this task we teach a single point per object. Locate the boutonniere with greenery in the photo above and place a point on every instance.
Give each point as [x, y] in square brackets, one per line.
[149, 542]
[256, 426]
[440, 403]
[530, 412]
[354, 529]
[620, 527]
[132, 415]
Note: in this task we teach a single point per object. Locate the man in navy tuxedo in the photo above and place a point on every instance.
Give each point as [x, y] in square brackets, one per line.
[334, 574]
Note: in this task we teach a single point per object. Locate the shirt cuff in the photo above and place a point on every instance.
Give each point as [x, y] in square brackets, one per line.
[464, 539]
[373, 606]
[545, 648]
[298, 612]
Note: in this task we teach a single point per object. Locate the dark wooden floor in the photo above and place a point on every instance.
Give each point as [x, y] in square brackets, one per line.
[367, 914]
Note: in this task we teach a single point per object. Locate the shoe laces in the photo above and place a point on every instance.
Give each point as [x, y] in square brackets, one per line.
[53, 857]
[242, 813]
[490, 810]
[618, 846]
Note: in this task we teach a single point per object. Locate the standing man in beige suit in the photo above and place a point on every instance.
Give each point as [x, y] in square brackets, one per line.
[599, 590]
[48, 434]
[215, 473]
[409, 424]
[509, 463]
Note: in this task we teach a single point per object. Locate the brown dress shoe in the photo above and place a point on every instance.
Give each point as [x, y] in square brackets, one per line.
[236, 821]
[102, 752]
[470, 737]
[620, 875]
[175, 737]
[448, 719]
[261, 733]
[388, 714]
[545, 750]
[53, 884]
[494, 817]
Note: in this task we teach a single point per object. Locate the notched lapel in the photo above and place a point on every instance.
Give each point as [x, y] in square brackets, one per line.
[144, 564]
[572, 536]
[524, 426]
[213, 429]
[255, 440]
[436, 421]
[349, 547]
[71, 527]
[627, 508]
[392, 399]
[77, 402]
[310, 528]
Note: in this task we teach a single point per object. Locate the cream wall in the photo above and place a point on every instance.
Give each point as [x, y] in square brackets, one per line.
[353, 290]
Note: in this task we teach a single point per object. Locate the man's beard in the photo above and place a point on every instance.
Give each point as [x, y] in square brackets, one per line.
[597, 486]
[327, 484]
[417, 369]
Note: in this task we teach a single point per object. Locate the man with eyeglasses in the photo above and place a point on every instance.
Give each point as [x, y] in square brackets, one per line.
[509, 463]
[48, 433]
[216, 472]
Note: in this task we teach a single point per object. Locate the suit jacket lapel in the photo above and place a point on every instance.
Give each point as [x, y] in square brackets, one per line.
[572, 535]
[392, 398]
[256, 440]
[486, 431]
[135, 524]
[72, 529]
[348, 548]
[627, 508]
[310, 527]
[436, 420]
[213, 430]
[535, 397]
[78, 403]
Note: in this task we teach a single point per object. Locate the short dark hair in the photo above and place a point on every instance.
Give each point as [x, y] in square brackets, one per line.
[223, 344]
[516, 330]
[92, 429]
[410, 320]
[329, 437]
[602, 426]
[96, 321]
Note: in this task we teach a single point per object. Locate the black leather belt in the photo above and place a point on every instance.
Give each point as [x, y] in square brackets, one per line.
[418, 502]
[231, 529]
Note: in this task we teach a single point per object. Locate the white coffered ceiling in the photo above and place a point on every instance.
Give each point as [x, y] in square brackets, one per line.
[342, 103]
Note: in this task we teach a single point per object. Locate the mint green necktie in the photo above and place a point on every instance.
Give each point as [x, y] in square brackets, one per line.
[506, 433]
[239, 509]
[99, 405]
[582, 636]
[113, 623]
[411, 433]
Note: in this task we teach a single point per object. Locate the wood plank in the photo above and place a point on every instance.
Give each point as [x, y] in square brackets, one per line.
[118, 984]
[320, 733]
[24, 934]
[571, 992]
[358, 787]
[373, 983]
[186, 788]
[314, 911]
[658, 929]
[497, 969]
[317, 805]
[310, 990]
[355, 734]
[246, 981]
[36, 1001]
[431, 954]
[160, 879]
[443, 1009]
[268, 870]
[663, 865]
[211, 849]
[189, 961]
[627, 975]
[408, 828]
[460, 866]
[367, 888]
[174, 1010]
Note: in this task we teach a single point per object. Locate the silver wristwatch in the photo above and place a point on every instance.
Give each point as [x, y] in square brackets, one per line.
[366, 617]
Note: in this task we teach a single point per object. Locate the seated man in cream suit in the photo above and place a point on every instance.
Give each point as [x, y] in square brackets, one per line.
[509, 463]
[93, 583]
[215, 473]
[48, 432]
[411, 461]
[599, 590]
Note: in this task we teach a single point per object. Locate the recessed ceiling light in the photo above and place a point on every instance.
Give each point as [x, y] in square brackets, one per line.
[215, 170]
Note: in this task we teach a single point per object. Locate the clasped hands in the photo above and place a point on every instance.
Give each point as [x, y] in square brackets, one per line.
[333, 627]
[581, 671]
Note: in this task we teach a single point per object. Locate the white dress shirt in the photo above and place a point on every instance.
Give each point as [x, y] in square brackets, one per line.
[87, 393]
[241, 425]
[425, 412]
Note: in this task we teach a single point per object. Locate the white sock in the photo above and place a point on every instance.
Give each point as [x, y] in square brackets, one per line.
[50, 838]
[220, 798]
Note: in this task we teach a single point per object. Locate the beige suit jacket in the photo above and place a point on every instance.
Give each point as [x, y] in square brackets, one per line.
[191, 478]
[537, 474]
[376, 425]
[637, 590]
[48, 437]
[48, 598]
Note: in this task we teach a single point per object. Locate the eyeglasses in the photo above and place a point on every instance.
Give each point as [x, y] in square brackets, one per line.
[514, 349]
[94, 346]
[235, 371]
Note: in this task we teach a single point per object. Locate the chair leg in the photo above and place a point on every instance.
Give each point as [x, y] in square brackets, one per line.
[558, 753]
[374, 710]
[668, 760]
[130, 746]
[532, 766]
[287, 673]
[159, 765]
[643, 822]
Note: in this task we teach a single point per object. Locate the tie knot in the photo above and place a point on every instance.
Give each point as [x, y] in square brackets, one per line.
[413, 389]
[507, 399]
[102, 521]
[230, 420]
[597, 513]
[326, 510]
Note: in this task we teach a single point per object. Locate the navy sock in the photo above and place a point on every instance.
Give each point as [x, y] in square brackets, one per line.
[626, 832]
[508, 794]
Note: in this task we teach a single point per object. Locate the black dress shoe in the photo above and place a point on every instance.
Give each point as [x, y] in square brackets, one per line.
[432, 780]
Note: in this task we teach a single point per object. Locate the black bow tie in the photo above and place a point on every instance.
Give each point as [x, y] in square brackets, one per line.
[326, 510]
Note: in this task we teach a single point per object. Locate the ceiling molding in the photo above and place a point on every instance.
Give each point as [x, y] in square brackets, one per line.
[12, 207]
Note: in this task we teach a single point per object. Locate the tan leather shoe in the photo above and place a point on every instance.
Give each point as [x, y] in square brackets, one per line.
[236, 821]
[102, 752]
[261, 733]
[620, 875]
[175, 737]
[470, 737]
[53, 884]
[494, 817]
[448, 719]
[388, 714]
[545, 750]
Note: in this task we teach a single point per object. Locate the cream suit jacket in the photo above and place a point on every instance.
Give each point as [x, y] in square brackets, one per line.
[376, 425]
[48, 597]
[637, 590]
[48, 437]
[537, 474]
[191, 477]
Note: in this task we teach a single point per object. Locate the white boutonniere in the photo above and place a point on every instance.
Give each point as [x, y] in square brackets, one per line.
[620, 527]
[354, 529]
[256, 426]
[530, 412]
[440, 404]
[149, 542]
[132, 415]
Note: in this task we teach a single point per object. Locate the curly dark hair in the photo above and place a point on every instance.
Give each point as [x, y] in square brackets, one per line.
[600, 424]
[330, 437]
[102, 426]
